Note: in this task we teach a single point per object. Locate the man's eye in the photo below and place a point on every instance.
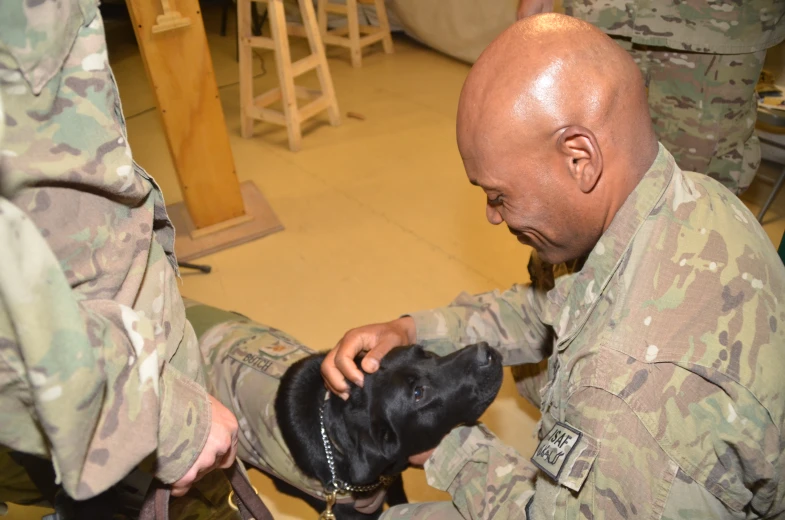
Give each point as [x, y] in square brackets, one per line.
[419, 392]
[495, 202]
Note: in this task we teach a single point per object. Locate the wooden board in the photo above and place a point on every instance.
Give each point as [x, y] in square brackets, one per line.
[180, 69]
[189, 245]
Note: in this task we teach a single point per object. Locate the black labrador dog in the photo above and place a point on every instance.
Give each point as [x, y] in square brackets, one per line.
[404, 408]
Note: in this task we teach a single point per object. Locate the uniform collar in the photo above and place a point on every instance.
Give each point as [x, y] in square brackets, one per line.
[577, 294]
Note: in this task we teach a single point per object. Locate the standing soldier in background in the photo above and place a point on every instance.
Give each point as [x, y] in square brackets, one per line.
[700, 61]
[101, 377]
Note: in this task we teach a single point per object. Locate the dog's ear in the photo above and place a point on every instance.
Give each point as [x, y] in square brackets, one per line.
[374, 454]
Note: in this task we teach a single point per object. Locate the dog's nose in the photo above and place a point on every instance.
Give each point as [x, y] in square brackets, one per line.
[484, 355]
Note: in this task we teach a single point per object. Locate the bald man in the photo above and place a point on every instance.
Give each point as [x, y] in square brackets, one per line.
[664, 394]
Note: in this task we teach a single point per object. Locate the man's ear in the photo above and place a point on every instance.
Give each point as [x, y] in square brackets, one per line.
[582, 152]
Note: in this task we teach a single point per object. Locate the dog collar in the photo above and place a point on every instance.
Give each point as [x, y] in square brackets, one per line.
[336, 485]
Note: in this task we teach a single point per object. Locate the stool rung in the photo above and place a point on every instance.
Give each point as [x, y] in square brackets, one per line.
[313, 108]
[303, 65]
[370, 29]
[261, 42]
[336, 8]
[268, 98]
[269, 115]
[332, 39]
[371, 38]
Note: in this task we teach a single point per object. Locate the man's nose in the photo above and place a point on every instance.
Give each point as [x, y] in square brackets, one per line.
[493, 215]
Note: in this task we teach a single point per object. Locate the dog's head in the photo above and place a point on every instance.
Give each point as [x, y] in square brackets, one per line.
[411, 403]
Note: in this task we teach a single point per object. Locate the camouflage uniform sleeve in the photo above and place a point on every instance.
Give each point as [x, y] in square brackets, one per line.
[511, 321]
[99, 362]
[486, 478]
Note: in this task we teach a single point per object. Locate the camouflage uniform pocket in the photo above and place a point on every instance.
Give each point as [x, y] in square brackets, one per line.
[565, 457]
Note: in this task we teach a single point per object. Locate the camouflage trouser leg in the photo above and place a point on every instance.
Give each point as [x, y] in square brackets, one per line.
[703, 108]
[244, 362]
[423, 511]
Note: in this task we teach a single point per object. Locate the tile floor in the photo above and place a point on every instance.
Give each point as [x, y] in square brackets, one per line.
[379, 218]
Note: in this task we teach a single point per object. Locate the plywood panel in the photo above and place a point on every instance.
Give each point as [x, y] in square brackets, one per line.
[180, 69]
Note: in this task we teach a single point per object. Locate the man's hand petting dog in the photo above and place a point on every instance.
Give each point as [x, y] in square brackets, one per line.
[377, 340]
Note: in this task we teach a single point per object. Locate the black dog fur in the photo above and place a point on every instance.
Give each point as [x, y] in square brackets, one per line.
[405, 408]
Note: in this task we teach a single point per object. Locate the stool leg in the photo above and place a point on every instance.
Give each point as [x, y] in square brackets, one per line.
[321, 16]
[384, 25]
[354, 33]
[323, 69]
[772, 196]
[246, 67]
[283, 61]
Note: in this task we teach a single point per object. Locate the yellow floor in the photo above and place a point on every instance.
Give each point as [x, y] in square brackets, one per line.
[379, 216]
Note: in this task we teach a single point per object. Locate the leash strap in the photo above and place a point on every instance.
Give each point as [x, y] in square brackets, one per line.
[249, 503]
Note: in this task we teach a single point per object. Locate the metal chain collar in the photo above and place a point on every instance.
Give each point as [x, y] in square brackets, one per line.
[335, 484]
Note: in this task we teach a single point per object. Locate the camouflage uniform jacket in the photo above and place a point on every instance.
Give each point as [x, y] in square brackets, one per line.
[667, 355]
[99, 369]
[717, 26]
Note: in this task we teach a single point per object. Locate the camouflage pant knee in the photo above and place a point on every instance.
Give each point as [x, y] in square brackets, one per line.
[704, 110]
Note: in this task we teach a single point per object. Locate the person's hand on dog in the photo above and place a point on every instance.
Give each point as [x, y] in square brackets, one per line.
[377, 340]
[219, 451]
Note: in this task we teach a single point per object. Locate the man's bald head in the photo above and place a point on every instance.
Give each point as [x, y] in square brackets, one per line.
[553, 119]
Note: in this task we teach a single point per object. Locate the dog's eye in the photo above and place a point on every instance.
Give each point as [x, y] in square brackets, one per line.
[419, 392]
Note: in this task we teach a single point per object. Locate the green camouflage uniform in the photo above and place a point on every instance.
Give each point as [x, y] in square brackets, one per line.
[701, 61]
[663, 394]
[244, 363]
[99, 370]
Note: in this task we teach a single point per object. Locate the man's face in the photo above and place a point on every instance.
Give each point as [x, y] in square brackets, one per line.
[529, 188]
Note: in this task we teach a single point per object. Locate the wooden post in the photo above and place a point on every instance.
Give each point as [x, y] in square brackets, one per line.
[174, 49]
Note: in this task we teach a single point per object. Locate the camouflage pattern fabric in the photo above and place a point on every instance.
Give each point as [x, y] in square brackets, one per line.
[244, 362]
[716, 26]
[704, 109]
[664, 395]
[701, 61]
[99, 370]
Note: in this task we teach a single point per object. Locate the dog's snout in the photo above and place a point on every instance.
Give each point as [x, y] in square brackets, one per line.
[484, 355]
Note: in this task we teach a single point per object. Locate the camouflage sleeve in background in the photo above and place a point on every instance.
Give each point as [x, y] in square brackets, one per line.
[99, 369]
[717, 26]
[508, 321]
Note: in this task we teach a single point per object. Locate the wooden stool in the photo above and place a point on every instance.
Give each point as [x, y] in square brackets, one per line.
[354, 42]
[255, 108]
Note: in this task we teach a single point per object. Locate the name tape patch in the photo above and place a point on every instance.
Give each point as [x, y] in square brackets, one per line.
[555, 448]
